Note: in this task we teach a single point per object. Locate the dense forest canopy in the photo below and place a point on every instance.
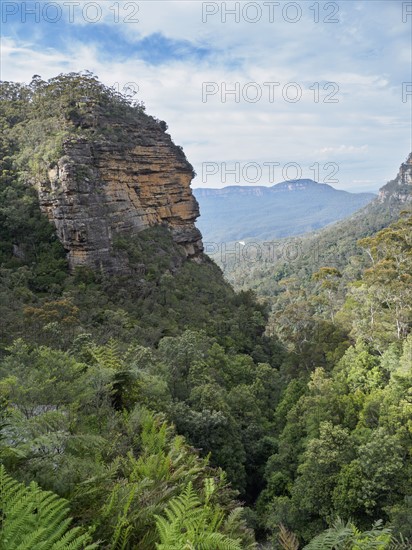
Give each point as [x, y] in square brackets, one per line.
[169, 411]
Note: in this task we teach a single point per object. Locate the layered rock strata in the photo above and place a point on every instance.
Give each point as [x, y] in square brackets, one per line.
[102, 189]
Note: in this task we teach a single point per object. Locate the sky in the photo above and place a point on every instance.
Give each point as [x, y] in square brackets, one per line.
[254, 92]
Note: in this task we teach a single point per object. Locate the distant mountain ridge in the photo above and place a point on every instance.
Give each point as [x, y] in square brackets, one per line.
[287, 208]
[258, 190]
[330, 246]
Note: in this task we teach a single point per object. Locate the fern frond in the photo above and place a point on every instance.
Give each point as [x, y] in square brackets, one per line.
[287, 539]
[33, 519]
[189, 524]
[342, 535]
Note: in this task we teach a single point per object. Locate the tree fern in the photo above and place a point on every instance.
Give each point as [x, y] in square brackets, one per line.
[107, 356]
[191, 525]
[110, 359]
[137, 489]
[287, 539]
[400, 543]
[33, 519]
[235, 526]
[346, 536]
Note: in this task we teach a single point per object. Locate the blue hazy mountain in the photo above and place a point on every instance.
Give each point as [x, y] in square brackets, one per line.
[288, 208]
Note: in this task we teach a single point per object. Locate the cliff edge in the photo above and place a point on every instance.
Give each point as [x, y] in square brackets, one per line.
[105, 170]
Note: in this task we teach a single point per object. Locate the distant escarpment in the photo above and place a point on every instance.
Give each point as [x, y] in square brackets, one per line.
[104, 171]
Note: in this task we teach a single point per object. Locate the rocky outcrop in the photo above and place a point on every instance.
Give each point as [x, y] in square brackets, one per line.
[399, 189]
[102, 189]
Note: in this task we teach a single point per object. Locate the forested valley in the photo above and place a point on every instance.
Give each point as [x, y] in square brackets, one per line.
[166, 410]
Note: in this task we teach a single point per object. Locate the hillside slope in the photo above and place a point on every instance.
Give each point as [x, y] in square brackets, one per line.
[332, 245]
[149, 394]
[95, 204]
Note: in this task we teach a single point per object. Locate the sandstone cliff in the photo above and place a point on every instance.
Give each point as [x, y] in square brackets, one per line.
[399, 189]
[104, 187]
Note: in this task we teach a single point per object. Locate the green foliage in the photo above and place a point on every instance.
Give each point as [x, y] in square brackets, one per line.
[129, 395]
[346, 536]
[40, 377]
[382, 300]
[287, 540]
[190, 524]
[223, 404]
[322, 461]
[26, 236]
[344, 440]
[32, 519]
[138, 488]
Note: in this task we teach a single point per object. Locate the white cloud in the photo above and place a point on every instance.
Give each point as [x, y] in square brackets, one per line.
[360, 54]
[344, 149]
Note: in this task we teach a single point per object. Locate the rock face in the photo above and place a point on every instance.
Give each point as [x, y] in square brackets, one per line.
[399, 189]
[102, 189]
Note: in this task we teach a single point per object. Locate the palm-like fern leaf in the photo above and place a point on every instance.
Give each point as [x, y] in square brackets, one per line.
[190, 525]
[33, 519]
[287, 539]
[343, 536]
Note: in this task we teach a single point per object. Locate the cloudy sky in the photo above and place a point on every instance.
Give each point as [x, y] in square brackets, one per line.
[255, 92]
